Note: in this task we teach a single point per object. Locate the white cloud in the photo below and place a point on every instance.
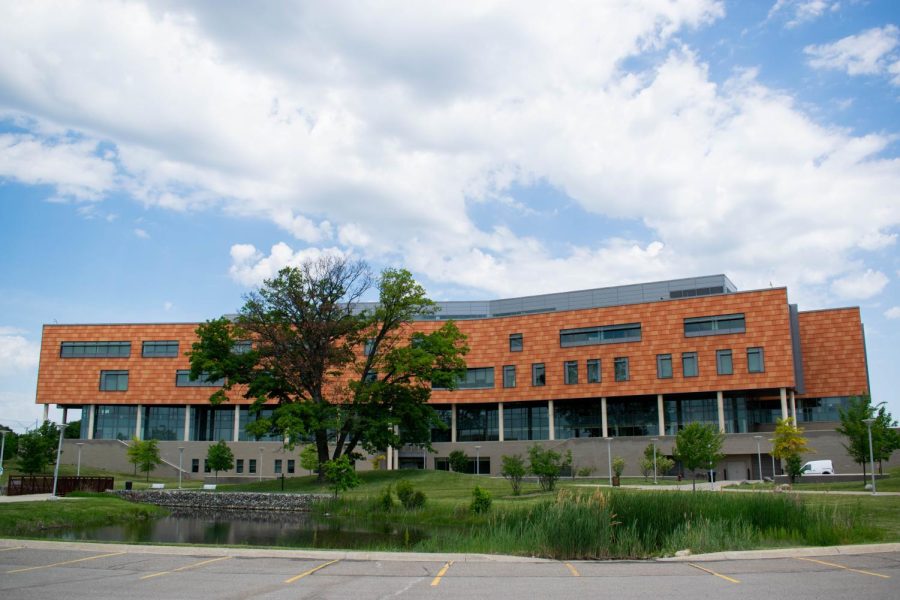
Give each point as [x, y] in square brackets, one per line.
[867, 53]
[859, 286]
[167, 306]
[802, 11]
[141, 233]
[893, 312]
[250, 267]
[16, 352]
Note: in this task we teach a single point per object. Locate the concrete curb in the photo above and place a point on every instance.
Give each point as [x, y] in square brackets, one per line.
[787, 553]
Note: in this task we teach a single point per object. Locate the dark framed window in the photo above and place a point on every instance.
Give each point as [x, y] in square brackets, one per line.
[95, 349]
[724, 362]
[689, 366]
[195, 465]
[538, 374]
[369, 347]
[160, 349]
[251, 465]
[755, 363]
[593, 370]
[206, 468]
[620, 364]
[113, 381]
[242, 347]
[509, 376]
[277, 465]
[664, 366]
[606, 334]
[515, 342]
[570, 368]
[239, 465]
[183, 379]
[715, 325]
[475, 379]
[291, 465]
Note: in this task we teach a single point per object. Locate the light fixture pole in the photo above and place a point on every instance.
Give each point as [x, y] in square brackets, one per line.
[868, 423]
[609, 457]
[78, 468]
[759, 457]
[773, 461]
[259, 467]
[62, 430]
[180, 464]
[654, 440]
[478, 460]
[2, 449]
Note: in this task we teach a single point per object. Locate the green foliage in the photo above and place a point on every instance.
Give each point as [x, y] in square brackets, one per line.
[546, 465]
[73, 430]
[309, 458]
[618, 466]
[219, 457]
[885, 440]
[10, 448]
[481, 500]
[699, 445]
[144, 455]
[34, 519]
[385, 501]
[585, 471]
[409, 497]
[792, 464]
[513, 470]
[33, 455]
[790, 445]
[340, 475]
[459, 462]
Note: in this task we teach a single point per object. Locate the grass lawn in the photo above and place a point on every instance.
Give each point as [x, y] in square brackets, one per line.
[29, 519]
[890, 483]
[10, 467]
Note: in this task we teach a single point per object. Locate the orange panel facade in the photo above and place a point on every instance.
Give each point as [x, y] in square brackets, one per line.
[834, 353]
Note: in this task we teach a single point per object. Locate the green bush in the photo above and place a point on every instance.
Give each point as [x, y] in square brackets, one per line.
[481, 500]
[410, 498]
[459, 462]
[385, 500]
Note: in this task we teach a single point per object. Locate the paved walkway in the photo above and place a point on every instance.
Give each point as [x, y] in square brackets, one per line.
[25, 498]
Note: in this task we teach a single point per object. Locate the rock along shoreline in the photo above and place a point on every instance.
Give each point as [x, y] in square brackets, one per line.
[208, 500]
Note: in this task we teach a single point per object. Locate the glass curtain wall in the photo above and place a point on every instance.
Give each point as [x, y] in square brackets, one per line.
[526, 422]
[212, 423]
[163, 423]
[247, 417]
[632, 416]
[445, 414]
[577, 419]
[114, 422]
[477, 423]
[816, 410]
[684, 409]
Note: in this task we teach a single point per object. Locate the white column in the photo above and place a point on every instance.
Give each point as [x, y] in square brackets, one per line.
[187, 422]
[46, 412]
[91, 410]
[784, 406]
[661, 413]
[138, 430]
[237, 423]
[389, 458]
[453, 422]
[603, 420]
[794, 407]
[500, 421]
[720, 406]
[551, 420]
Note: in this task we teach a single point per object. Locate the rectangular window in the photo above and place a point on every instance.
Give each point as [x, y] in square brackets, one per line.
[206, 468]
[570, 368]
[717, 325]
[689, 366]
[239, 466]
[277, 465]
[538, 375]
[195, 465]
[593, 370]
[724, 364]
[755, 362]
[515, 342]
[291, 465]
[95, 350]
[474, 379]
[509, 376]
[251, 465]
[183, 379]
[664, 366]
[369, 347]
[621, 367]
[607, 334]
[113, 381]
[242, 347]
[163, 349]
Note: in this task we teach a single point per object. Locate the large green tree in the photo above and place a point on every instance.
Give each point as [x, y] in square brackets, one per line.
[331, 364]
[144, 455]
[219, 457]
[790, 445]
[699, 445]
[885, 439]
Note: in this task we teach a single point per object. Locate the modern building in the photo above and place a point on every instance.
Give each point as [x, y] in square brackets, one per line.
[599, 372]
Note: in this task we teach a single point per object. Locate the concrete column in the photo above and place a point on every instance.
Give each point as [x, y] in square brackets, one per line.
[784, 406]
[91, 410]
[138, 422]
[500, 421]
[389, 458]
[661, 413]
[237, 423]
[720, 407]
[46, 412]
[453, 422]
[551, 421]
[794, 407]
[603, 417]
[187, 422]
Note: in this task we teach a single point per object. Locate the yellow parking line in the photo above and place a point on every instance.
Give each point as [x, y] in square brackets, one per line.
[440, 574]
[573, 570]
[186, 567]
[11, 548]
[310, 572]
[822, 562]
[725, 577]
[66, 562]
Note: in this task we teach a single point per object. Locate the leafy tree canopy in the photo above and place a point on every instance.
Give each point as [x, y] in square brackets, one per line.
[144, 455]
[699, 445]
[790, 445]
[885, 439]
[219, 457]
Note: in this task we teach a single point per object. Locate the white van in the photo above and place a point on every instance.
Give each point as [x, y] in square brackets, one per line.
[817, 467]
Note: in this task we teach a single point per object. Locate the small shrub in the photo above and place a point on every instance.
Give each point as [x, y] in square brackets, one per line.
[481, 501]
[385, 500]
[618, 466]
[585, 471]
[513, 470]
[417, 500]
[410, 498]
[459, 462]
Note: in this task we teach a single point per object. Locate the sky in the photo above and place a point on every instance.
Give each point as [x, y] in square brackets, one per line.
[158, 160]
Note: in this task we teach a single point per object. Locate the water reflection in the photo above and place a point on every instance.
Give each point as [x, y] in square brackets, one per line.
[248, 528]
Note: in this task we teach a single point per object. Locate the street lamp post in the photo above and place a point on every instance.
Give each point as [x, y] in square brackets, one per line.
[478, 460]
[868, 423]
[609, 456]
[180, 464]
[259, 467]
[773, 461]
[62, 430]
[654, 440]
[78, 468]
[759, 457]
[2, 449]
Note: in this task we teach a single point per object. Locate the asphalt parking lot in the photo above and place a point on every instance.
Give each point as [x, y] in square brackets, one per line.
[32, 570]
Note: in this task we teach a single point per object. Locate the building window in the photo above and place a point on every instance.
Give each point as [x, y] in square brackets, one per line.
[239, 466]
[242, 347]
[570, 368]
[509, 376]
[755, 362]
[163, 423]
[515, 342]
[525, 421]
[475, 379]
[538, 375]
[477, 422]
[291, 465]
[251, 465]
[621, 368]
[369, 347]
[113, 381]
[95, 350]
[717, 325]
[608, 334]
[183, 379]
[163, 349]
[593, 370]
[724, 364]
[206, 468]
[114, 421]
[664, 366]
[277, 466]
[689, 364]
[195, 465]
[445, 416]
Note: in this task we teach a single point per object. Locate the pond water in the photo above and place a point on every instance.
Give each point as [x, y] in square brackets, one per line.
[249, 528]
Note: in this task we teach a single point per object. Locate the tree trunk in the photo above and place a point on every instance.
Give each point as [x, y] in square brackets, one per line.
[322, 451]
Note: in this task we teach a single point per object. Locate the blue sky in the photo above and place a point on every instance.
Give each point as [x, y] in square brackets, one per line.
[159, 160]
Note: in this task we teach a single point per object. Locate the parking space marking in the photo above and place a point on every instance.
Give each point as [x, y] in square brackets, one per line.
[186, 567]
[822, 562]
[11, 548]
[711, 572]
[65, 562]
[574, 571]
[441, 573]
[311, 571]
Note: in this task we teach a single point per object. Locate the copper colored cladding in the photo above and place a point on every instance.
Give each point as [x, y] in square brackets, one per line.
[834, 353]
[75, 381]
